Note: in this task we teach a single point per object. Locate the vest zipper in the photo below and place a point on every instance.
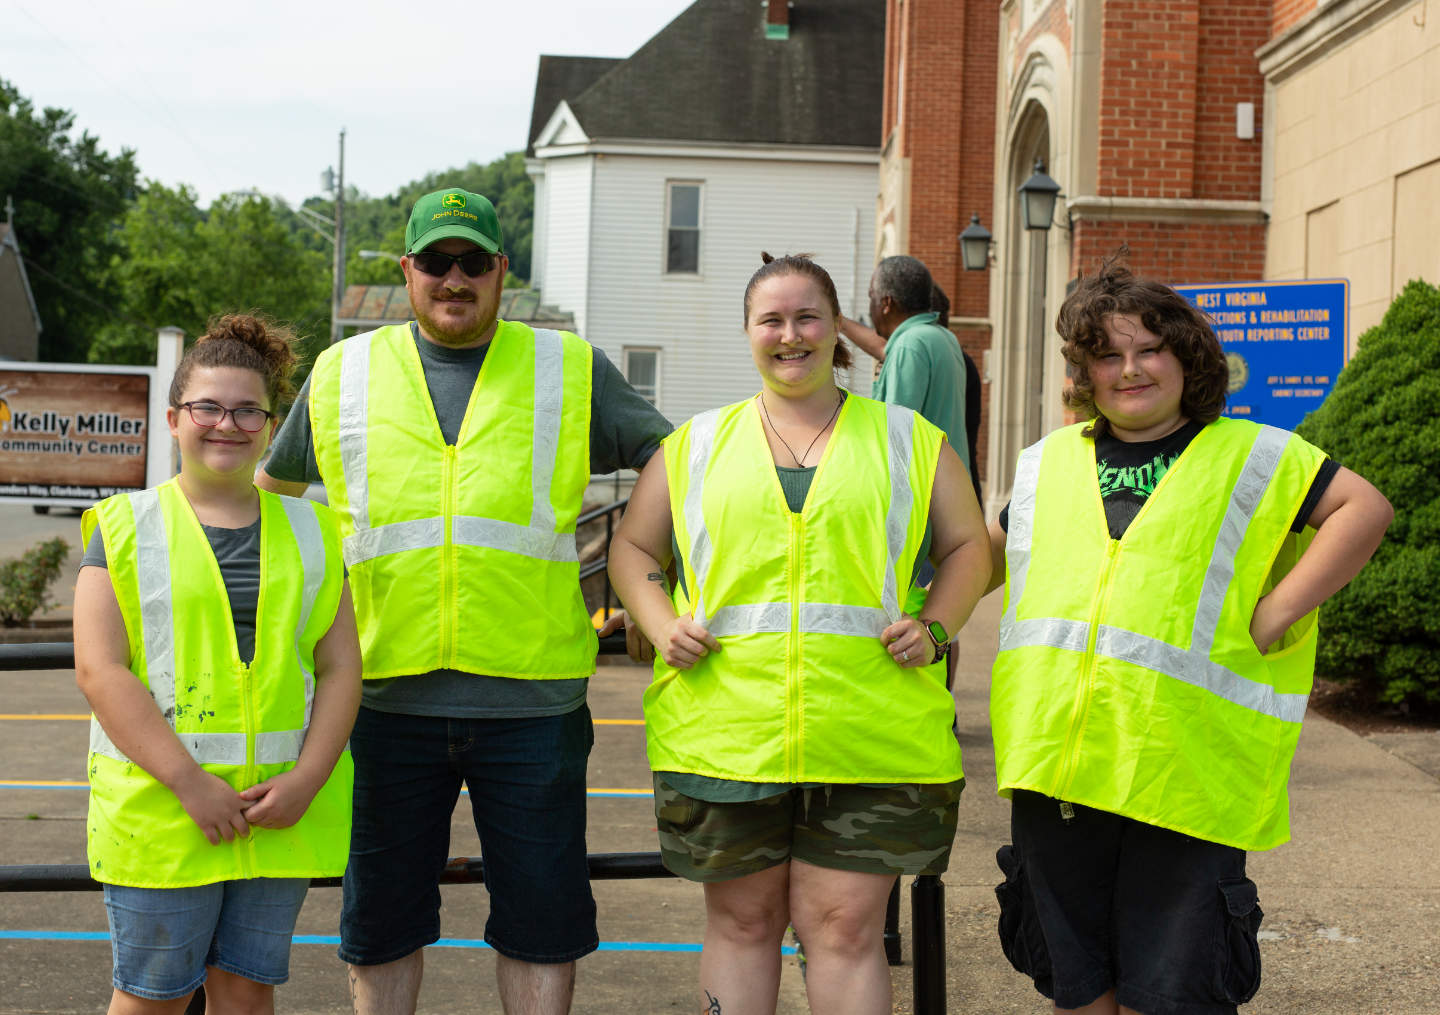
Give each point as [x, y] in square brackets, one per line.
[245, 851]
[447, 557]
[793, 731]
[1086, 685]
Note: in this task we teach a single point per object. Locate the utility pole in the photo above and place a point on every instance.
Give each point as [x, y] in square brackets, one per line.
[338, 292]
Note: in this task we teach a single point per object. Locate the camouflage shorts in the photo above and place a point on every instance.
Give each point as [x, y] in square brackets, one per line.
[871, 829]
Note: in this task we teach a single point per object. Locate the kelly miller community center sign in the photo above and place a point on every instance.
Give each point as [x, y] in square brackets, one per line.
[1285, 343]
[72, 434]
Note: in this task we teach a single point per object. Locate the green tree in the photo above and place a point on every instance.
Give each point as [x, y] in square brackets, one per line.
[180, 266]
[1383, 629]
[69, 197]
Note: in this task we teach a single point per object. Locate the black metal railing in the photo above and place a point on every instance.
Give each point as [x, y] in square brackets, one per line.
[611, 513]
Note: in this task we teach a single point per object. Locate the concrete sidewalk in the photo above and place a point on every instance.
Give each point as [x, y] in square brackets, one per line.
[1352, 906]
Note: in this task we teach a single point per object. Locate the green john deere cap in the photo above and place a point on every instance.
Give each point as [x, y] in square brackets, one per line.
[453, 212]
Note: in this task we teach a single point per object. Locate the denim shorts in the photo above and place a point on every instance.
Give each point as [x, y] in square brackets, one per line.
[526, 778]
[1099, 901]
[163, 938]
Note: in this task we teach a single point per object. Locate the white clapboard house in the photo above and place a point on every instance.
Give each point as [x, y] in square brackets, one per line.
[660, 178]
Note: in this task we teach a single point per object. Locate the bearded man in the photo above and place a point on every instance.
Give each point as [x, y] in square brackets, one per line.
[457, 448]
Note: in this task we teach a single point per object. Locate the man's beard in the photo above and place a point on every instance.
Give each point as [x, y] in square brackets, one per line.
[451, 334]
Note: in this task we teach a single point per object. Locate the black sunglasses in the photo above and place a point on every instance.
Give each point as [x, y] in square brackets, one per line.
[473, 263]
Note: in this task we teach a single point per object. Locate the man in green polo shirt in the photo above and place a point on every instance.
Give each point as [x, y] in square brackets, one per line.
[924, 368]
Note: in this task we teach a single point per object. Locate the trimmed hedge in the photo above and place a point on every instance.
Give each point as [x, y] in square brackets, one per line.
[1383, 421]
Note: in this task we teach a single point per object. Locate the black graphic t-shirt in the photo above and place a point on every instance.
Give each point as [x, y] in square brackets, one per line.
[1129, 472]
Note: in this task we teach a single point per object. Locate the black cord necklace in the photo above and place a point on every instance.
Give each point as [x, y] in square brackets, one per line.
[799, 460]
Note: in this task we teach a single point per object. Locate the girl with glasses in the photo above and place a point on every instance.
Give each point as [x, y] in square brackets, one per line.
[215, 642]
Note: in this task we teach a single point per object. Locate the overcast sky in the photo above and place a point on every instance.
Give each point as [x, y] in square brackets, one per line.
[254, 94]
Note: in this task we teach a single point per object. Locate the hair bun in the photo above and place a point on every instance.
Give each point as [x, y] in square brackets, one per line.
[765, 257]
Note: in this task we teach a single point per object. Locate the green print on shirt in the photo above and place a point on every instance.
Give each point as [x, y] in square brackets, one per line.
[1140, 480]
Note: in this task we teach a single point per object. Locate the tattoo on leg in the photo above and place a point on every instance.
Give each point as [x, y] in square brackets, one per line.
[712, 1006]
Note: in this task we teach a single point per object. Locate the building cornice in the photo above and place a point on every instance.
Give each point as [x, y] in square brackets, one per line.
[1332, 24]
[713, 150]
[1095, 208]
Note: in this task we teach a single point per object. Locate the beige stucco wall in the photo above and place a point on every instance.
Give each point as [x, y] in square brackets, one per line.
[1355, 153]
[892, 203]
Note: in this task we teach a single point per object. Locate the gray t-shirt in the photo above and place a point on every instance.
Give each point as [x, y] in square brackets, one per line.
[625, 430]
[237, 551]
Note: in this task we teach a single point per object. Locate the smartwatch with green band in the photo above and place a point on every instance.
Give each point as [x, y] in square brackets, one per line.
[938, 637]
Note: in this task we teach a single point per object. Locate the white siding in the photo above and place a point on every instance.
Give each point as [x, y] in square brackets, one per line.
[566, 246]
[824, 209]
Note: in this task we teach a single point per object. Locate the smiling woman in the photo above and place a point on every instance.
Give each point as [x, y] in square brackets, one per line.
[799, 734]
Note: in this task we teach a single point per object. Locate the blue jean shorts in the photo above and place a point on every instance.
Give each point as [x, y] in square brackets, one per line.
[526, 778]
[163, 938]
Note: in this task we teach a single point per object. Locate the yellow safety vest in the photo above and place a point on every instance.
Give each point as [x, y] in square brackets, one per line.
[461, 556]
[1126, 677]
[243, 723]
[802, 690]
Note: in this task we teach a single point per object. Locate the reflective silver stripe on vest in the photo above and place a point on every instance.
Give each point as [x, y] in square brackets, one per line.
[1200, 671]
[157, 612]
[835, 618]
[311, 543]
[549, 403]
[541, 543]
[1051, 632]
[900, 426]
[1019, 537]
[152, 566]
[1244, 499]
[419, 534]
[814, 618]
[750, 618]
[355, 425]
[1192, 666]
[538, 540]
[279, 747]
[702, 441]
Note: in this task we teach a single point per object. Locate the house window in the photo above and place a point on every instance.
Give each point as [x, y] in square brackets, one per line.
[642, 370]
[682, 233]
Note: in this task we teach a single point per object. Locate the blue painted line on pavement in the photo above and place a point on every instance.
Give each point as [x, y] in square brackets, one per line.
[333, 939]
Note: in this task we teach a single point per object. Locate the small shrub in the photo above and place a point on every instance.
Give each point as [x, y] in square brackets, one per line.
[1382, 420]
[25, 583]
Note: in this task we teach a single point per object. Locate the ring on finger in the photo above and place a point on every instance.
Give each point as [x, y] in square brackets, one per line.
[905, 656]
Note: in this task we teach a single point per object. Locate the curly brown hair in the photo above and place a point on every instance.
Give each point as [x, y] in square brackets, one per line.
[248, 341]
[1181, 328]
[800, 264]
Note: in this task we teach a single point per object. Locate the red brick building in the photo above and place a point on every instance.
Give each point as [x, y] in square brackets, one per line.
[1211, 137]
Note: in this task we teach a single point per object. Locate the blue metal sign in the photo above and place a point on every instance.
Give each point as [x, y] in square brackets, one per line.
[1285, 343]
